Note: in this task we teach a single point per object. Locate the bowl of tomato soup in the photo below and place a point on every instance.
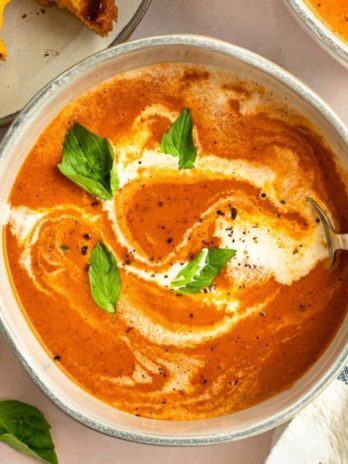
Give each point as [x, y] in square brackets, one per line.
[327, 22]
[163, 277]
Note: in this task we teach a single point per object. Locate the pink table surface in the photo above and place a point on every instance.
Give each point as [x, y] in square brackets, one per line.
[266, 27]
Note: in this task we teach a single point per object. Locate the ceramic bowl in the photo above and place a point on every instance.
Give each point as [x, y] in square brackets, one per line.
[21, 136]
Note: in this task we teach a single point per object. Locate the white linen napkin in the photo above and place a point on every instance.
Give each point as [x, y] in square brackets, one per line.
[319, 433]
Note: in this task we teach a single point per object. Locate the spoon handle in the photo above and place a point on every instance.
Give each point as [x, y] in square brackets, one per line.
[341, 241]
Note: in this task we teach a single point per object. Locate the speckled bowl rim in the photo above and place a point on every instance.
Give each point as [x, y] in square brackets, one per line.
[122, 36]
[209, 44]
[332, 43]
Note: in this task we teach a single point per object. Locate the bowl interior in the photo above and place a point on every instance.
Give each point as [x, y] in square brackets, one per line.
[22, 135]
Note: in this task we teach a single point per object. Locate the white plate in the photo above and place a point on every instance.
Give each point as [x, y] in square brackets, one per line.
[44, 41]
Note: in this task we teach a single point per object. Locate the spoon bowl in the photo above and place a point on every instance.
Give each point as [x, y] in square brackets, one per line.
[335, 241]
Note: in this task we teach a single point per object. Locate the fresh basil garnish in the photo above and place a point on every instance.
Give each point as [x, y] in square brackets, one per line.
[24, 428]
[202, 270]
[104, 278]
[178, 141]
[88, 160]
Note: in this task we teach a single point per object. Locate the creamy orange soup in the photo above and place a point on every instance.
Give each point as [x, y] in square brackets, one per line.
[334, 14]
[271, 311]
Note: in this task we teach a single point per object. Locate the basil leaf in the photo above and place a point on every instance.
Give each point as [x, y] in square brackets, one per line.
[104, 278]
[88, 160]
[24, 428]
[114, 180]
[202, 270]
[178, 141]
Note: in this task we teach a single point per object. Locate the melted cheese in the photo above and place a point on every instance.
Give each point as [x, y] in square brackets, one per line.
[3, 50]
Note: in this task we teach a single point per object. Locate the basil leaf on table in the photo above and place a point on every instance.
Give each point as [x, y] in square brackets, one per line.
[178, 141]
[202, 270]
[88, 160]
[24, 428]
[104, 278]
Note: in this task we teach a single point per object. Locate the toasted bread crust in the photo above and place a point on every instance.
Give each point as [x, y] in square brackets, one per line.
[3, 50]
[97, 15]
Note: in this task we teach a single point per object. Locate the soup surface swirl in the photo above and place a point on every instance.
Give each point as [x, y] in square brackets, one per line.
[272, 310]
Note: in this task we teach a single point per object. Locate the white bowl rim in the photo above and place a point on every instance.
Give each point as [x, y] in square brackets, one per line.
[260, 63]
[324, 36]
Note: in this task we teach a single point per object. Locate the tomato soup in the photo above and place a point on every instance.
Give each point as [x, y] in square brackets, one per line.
[334, 13]
[260, 322]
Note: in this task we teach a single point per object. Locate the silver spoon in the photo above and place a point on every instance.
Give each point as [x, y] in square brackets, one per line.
[335, 241]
